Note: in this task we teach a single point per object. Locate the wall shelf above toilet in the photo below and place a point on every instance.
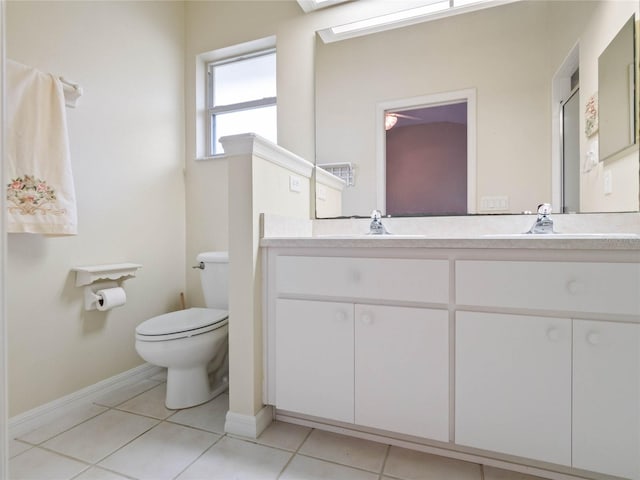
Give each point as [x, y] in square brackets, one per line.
[89, 274]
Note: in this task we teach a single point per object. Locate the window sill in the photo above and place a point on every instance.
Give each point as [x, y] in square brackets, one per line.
[218, 156]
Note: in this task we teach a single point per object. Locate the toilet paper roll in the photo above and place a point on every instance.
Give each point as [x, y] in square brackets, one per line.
[110, 298]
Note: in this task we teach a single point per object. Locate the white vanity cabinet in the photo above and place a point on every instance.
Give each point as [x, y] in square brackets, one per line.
[561, 390]
[513, 385]
[606, 397]
[517, 358]
[401, 370]
[314, 358]
[371, 361]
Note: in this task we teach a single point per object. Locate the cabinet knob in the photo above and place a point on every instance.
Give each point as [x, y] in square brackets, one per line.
[553, 334]
[367, 319]
[341, 316]
[574, 287]
[593, 338]
[355, 276]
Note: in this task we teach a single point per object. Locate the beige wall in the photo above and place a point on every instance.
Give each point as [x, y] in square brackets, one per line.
[214, 25]
[606, 21]
[127, 150]
[131, 135]
[443, 56]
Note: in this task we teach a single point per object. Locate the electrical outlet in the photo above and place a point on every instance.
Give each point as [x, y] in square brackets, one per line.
[494, 203]
[294, 184]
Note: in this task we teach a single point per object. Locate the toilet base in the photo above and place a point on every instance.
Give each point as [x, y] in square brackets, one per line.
[190, 387]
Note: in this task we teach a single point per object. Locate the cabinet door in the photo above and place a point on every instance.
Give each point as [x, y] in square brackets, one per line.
[402, 370]
[606, 397]
[513, 385]
[314, 358]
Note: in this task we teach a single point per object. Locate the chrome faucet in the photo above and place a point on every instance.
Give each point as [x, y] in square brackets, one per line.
[376, 227]
[543, 223]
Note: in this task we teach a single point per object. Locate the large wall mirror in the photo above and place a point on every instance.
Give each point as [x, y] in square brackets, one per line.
[523, 60]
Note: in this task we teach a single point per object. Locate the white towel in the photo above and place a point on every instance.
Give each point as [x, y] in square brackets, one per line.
[40, 193]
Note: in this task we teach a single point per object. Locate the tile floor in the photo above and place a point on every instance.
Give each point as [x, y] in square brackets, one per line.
[129, 434]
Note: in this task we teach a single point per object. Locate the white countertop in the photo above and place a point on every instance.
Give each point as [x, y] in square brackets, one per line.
[540, 242]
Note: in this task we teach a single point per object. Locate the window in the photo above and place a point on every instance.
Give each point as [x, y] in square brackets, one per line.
[242, 97]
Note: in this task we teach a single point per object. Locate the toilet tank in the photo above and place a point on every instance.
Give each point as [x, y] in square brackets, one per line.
[214, 278]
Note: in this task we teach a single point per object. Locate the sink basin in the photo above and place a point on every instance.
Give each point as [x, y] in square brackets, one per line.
[552, 236]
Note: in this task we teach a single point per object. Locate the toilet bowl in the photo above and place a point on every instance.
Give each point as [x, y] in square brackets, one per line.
[192, 343]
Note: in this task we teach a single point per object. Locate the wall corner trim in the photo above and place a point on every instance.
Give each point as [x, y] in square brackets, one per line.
[247, 425]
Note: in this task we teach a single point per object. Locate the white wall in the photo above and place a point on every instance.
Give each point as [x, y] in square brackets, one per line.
[127, 150]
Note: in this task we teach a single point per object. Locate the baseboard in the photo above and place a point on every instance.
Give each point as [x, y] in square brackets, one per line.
[247, 425]
[32, 419]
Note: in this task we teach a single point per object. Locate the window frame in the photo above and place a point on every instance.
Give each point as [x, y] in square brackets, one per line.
[213, 110]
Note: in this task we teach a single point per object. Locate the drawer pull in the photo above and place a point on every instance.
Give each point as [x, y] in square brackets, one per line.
[553, 334]
[593, 338]
[367, 319]
[355, 276]
[575, 287]
[341, 316]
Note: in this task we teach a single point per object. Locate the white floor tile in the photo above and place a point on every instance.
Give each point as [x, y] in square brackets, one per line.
[306, 468]
[38, 464]
[232, 458]
[412, 465]
[116, 397]
[94, 439]
[350, 451]
[284, 435]
[62, 423]
[16, 448]
[209, 416]
[149, 403]
[491, 473]
[95, 473]
[161, 453]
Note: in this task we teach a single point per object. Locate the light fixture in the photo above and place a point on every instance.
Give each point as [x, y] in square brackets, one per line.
[391, 18]
[389, 120]
[311, 5]
[432, 10]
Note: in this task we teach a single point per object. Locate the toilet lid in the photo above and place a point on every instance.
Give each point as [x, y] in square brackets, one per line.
[182, 321]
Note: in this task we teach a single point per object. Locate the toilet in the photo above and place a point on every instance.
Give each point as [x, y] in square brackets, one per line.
[192, 343]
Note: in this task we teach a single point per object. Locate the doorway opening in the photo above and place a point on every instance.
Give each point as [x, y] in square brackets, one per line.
[426, 162]
[565, 135]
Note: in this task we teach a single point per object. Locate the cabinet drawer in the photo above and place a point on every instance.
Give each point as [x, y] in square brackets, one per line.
[571, 286]
[399, 279]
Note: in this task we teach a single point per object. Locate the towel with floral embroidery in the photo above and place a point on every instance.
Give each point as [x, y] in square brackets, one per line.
[40, 191]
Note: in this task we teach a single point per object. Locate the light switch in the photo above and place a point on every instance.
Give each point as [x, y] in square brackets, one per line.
[294, 183]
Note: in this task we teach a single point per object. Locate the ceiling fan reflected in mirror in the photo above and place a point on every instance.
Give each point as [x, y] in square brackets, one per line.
[391, 118]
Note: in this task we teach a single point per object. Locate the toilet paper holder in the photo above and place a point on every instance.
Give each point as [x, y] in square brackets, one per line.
[91, 297]
[101, 277]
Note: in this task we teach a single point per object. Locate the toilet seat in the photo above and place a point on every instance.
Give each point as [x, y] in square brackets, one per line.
[181, 324]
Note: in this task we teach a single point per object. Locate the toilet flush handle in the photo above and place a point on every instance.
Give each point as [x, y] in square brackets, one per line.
[200, 266]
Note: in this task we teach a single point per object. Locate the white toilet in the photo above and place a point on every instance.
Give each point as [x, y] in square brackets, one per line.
[192, 342]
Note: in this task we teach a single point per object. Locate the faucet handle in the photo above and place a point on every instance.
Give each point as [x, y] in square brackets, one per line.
[544, 209]
[376, 215]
